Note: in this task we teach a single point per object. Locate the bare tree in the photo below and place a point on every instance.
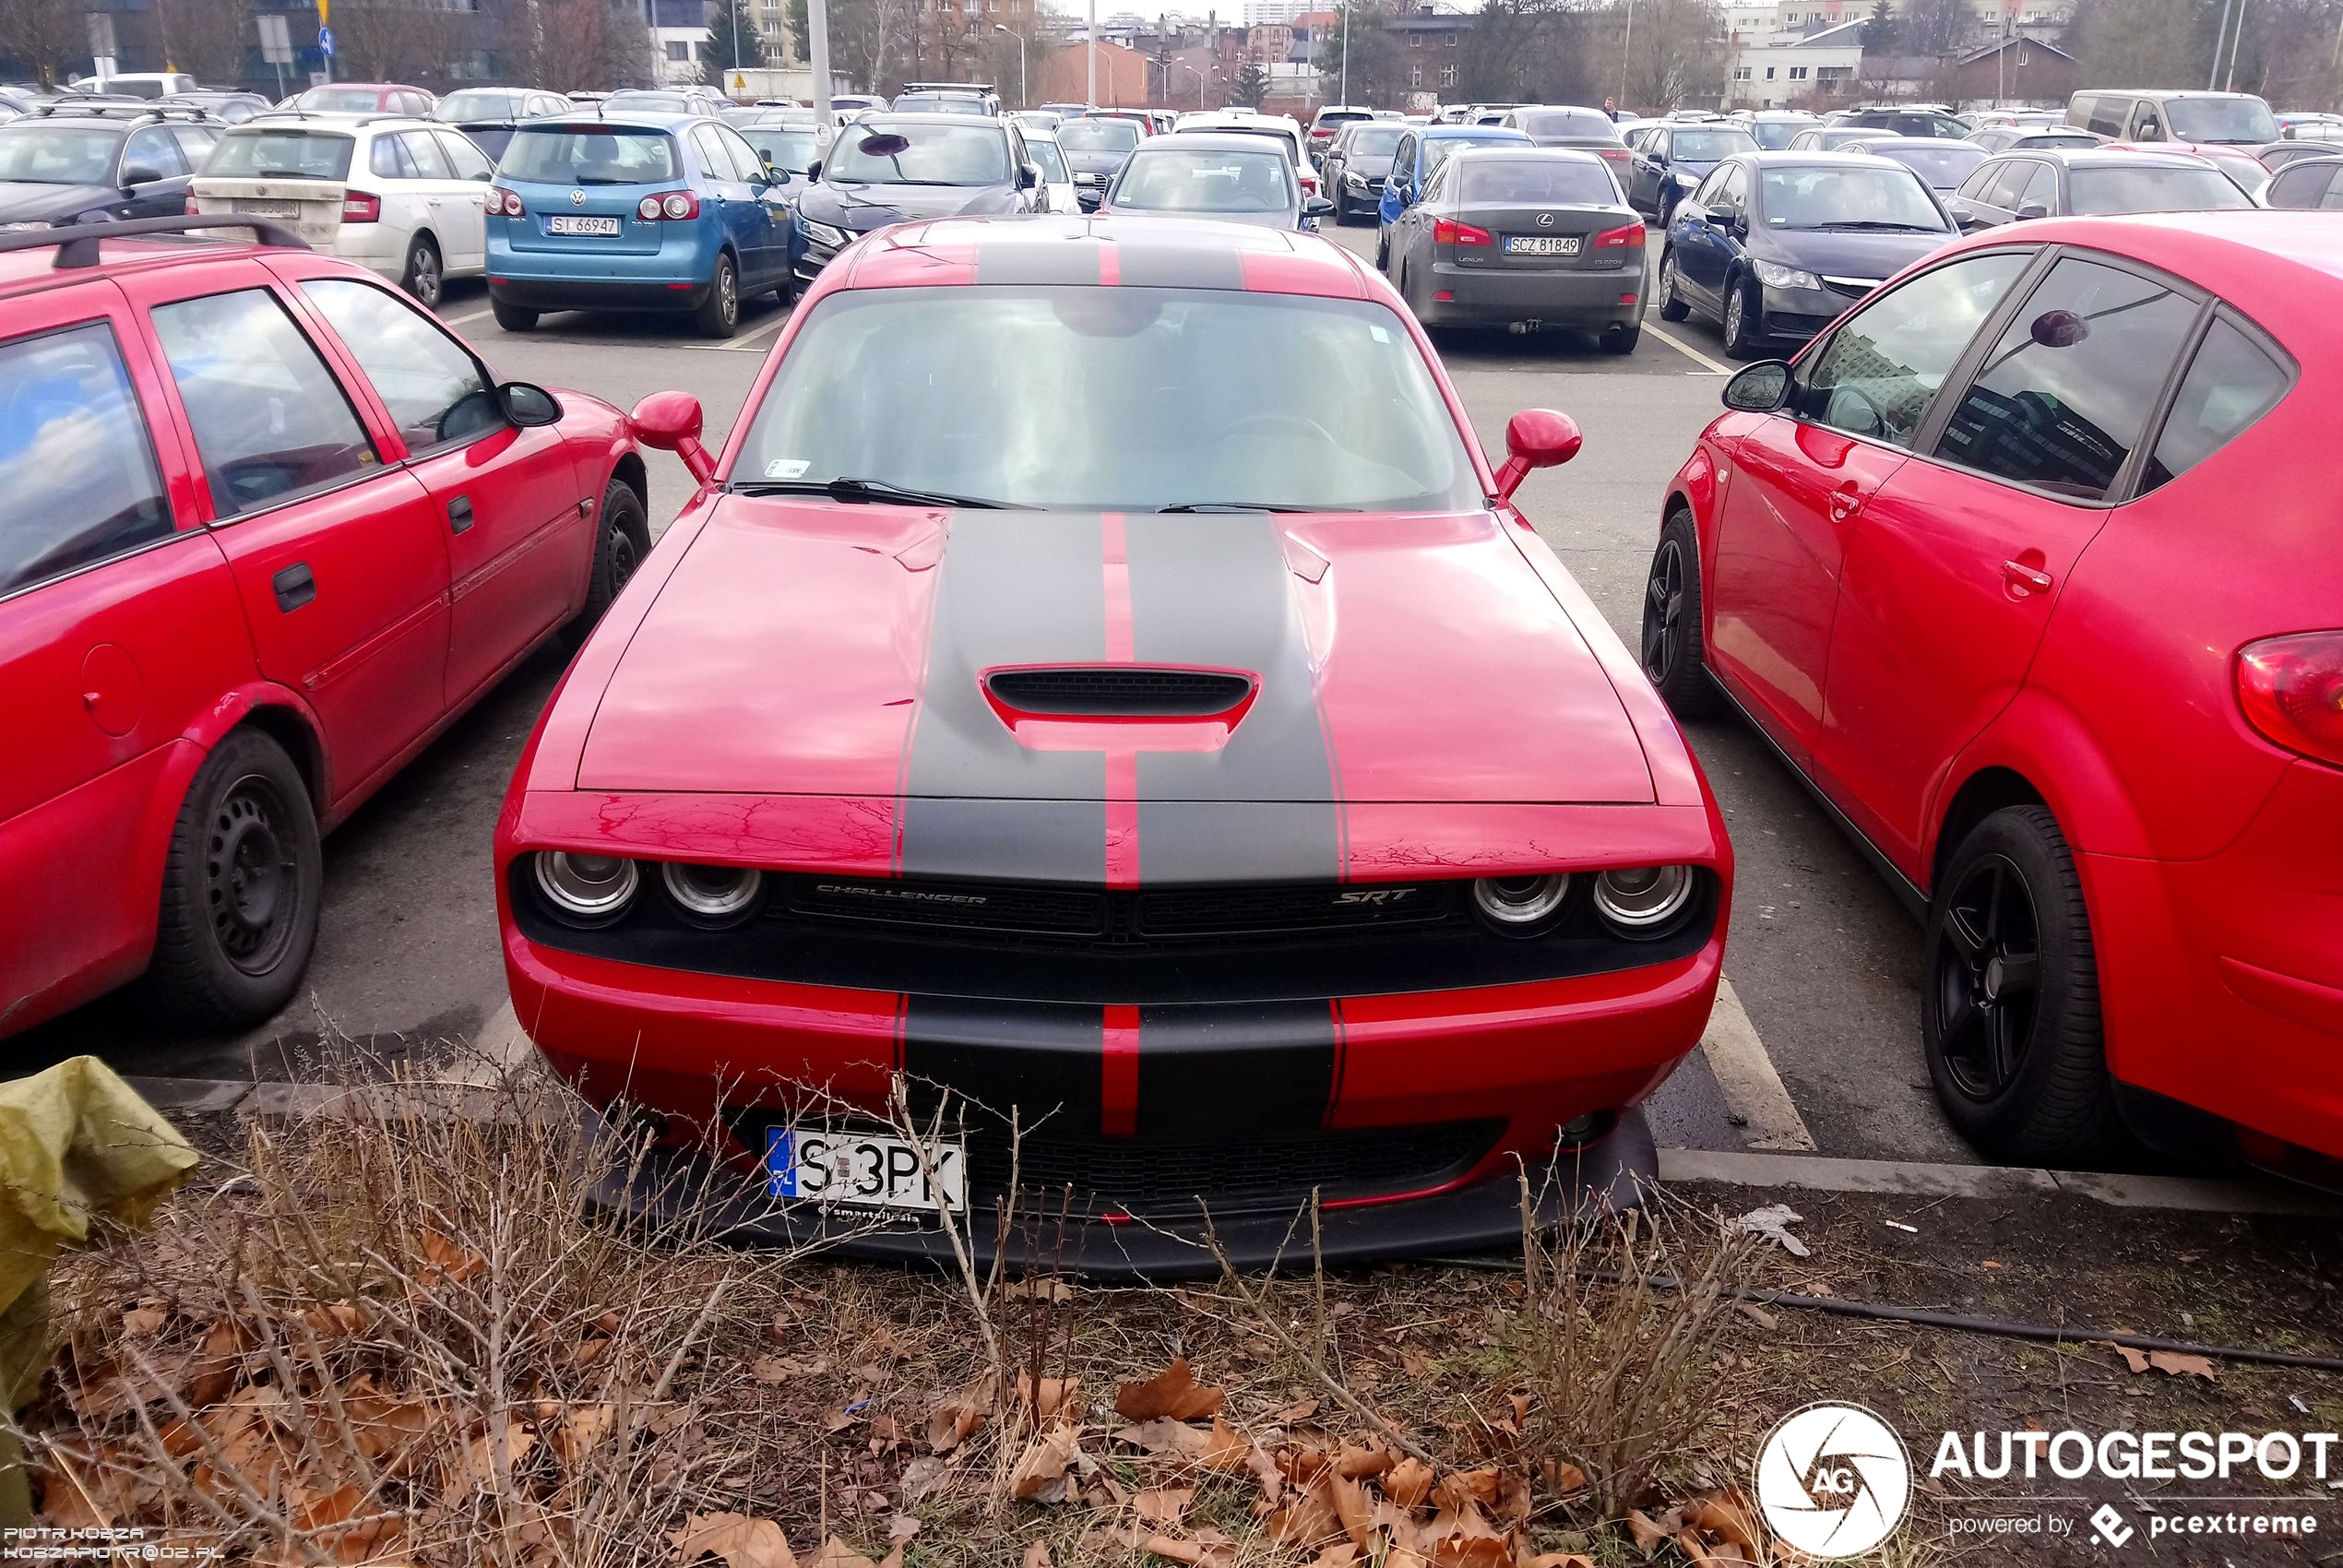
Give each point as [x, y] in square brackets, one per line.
[1934, 26]
[204, 38]
[398, 41]
[582, 44]
[1675, 49]
[45, 36]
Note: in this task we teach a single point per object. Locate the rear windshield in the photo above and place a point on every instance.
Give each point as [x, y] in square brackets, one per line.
[1099, 136]
[1559, 180]
[1566, 123]
[2099, 193]
[917, 103]
[1435, 153]
[1338, 116]
[1775, 135]
[342, 99]
[1709, 147]
[589, 155]
[1944, 164]
[2221, 119]
[479, 104]
[281, 152]
[885, 154]
[1166, 177]
[784, 146]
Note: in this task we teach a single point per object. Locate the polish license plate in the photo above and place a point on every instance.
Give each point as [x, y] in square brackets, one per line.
[864, 1171]
[1542, 244]
[268, 208]
[565, 224]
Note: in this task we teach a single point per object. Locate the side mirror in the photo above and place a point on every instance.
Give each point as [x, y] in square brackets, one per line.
[1760, 388]
[1028, 176]
[1536, 438]
[526, 405]
[139, 174]
[671, 421]
[1316, 207]
[2032, 210]
[813, 170]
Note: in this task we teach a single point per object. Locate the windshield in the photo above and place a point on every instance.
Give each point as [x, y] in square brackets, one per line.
[1842, 197]
[1590, 122]
[479, 104]
[1098, 136]
[58, 155]
[1175, 179]
[1556, 179]
[1944, 164]
[1775, 135]
[784, 146]
[1112, 400]
[2221, 119]
[911, 102]
[1377, 142]
[1707, 147]
[885, 154]
[643, 101]
[589, 155]
[280, 153]
[1053, 161]
[340, 100]
[2099, 193]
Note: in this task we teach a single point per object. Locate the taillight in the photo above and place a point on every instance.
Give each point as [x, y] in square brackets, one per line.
[1448, 231]
[502, 203]
[359, 208]
[1630, 238]
[2291, 689]
[676, 205]
[193, 210]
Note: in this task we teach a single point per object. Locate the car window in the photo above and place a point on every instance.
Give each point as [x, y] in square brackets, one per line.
[274, 152]
[195, 143]
[589, 155]
[463, 157]
[434, 388]
[1877, 374]
[2299, 187]
[2101, 192]
[906, 153]
[76, 462]
[422, 151]
[269, 419]
[2008, 181]
[1094, 135]
[1547, 179]
[2231, 383]
[1980, 179]
[1167, 177]
[1052, 160]
[390, 160]
[1832, 198]
[1711, 184]
[1403, 163]
[746, 165]
[152, 148]
[2061, 400]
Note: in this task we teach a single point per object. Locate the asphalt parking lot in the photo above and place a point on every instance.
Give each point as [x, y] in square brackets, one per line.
[1823, 960]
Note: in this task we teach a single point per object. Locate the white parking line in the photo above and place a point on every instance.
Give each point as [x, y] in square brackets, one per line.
[1714, 367]
[469, 316]
[1753, 1089]
[780, 319]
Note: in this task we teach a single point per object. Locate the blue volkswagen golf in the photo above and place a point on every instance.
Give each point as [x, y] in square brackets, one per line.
[1416, 159]
[648, 211]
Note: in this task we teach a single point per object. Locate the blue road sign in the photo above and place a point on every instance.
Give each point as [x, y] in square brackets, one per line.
[326, 42]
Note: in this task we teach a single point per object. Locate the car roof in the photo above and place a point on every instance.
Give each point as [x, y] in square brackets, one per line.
[2108, 157]
[912, 118]
[1450, 133]
[1815, 158]
[1222, 141]
[34, 269]
[2260, 259]
[1515, 152]
[1166, 252]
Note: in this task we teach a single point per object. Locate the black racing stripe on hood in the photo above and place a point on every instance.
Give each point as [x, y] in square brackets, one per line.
[1213, 589]
[1144, 266]
[1235, 1067]
[1031, 266]
[1017, 588]
[1044, 1059]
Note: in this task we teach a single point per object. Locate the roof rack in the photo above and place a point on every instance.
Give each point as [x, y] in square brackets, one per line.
[78, 243]
[121, 108]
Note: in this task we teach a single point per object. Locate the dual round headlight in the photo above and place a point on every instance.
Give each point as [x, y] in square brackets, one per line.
[591, 890]
[1635, 901]
[1521, 906]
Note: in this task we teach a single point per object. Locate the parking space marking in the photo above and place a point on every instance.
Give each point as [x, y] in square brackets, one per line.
[780, 319]
[1713, 367]
[469, 316]
[1751, 1088]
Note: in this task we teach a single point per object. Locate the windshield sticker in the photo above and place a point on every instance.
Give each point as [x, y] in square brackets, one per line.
[787, 467]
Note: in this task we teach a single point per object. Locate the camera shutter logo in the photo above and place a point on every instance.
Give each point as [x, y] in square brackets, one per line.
[1832, 1480]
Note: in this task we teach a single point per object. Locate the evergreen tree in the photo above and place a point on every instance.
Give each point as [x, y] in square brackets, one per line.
[733, 42]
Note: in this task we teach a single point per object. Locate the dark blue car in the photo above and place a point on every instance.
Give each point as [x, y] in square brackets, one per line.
[1418, 157]
[1778, 245]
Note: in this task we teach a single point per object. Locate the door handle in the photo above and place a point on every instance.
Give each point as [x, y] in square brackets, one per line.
[460, 514]
[295, 587]
[2024, 580]
[1844, 502]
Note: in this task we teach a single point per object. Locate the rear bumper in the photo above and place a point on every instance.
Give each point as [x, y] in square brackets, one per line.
[677, 276]
[1490, 296]
[588, 294]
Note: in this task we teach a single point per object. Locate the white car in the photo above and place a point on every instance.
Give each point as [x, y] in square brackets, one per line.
[403, 197]
[1057, 177]
[1244, 121]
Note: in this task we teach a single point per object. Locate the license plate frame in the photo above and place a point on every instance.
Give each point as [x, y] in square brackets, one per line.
[1542, 244]
[846, 1168]
[585, 226]
[255, 207]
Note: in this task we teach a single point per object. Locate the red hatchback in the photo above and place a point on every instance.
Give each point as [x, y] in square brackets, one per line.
[270, 527]
[2029, 567]
[1037, 704]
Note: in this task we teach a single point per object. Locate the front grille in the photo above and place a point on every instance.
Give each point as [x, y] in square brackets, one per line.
[1114, 919]
[1120, 691]
[1224, 911]
[1055, 912]
[1853, 288]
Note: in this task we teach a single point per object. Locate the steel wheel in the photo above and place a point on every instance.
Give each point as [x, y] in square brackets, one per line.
[623, 557]
[1988, 978]
[424, 280]
[251, 875]
[1663, 642]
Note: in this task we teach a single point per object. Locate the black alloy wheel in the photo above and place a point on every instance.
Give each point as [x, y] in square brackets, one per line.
[1988, 978]
[1671, 651]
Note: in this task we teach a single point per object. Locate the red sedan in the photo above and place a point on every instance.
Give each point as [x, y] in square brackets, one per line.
[270, 528]
[2030, 567]
[1041, 702]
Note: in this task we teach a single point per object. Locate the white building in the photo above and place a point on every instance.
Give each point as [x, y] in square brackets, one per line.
[1789, 69]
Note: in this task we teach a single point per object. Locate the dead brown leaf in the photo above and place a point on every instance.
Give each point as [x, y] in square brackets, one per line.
[1037, 1555]
[144, 1323]
[1057, 1394]
[1289, 1414]
[1053, 1292]
[1199, 1553]
[1358, 1464]
[1043, 1461]
[1408, 1482]
[836, 1554]
[1164, 1505]
[586, 1425]
[1727, 1516]
[1172, 1394]
[1225, 1448]
[448, 1260]
[2173, 1363]
[958, 1414]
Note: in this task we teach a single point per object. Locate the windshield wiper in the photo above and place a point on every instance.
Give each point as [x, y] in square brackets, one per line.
[1247, 506]
[868, 490]
[1880, 223]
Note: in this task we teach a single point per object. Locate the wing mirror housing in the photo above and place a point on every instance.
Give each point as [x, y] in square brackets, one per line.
[2032, 210]
[526, 406]
[671, 421]
[813, 170]
[1536, 438]
[1316, 207]
[1760, 388]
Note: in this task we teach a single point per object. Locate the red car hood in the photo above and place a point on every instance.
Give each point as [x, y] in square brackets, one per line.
[806, 648]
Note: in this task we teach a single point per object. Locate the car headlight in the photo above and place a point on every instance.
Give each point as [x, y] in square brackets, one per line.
[587, 889]
[822, 233]
[712, 895]
[1520, 905]
[1774, 275]
[1640, 900]
[1356, 182]
[35, 223]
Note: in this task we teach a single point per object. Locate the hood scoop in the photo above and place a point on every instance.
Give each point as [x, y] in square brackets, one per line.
[1118, 692]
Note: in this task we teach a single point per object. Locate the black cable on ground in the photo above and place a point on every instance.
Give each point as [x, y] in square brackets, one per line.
[2006, 1327]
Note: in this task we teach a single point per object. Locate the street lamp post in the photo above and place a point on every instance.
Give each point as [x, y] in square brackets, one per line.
[1203, 83]
[1024, 93]
[1091, 41]
[1345, 89]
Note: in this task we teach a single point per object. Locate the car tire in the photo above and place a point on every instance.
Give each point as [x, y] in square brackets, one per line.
[2010, 1015]
[619, 548]
[1621, 340]
[241, 884]
[1742, 340]
[422, 275]
[1673, 653]
[719, 315]
[1383, 249]
[514, 318]
[1673, 306]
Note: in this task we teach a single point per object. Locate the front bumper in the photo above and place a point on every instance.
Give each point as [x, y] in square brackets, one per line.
[1498, 296]
[1800, 313]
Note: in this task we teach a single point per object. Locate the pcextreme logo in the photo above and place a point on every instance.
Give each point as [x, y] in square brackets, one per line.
[1832, 1480]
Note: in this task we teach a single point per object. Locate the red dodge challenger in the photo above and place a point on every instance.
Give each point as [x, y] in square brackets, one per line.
[1101, 678]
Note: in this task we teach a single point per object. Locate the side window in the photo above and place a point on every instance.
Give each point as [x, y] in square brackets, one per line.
[269, 418]
[713, 159]
[2009, 181]
[2060, 402]
[389, 161]
[2040, 190]
[1877, 374]
[434, 390]
[2334, 197]
[194, 142]
[2297, 187]
[152, 148]
[467, 160]
[745, 160]
[1736, 190]
[2231, 383]
[1709, 189]
[1984, 174]
[1437, 188]
[422, 151]
[1403, 163]
[74, 459]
